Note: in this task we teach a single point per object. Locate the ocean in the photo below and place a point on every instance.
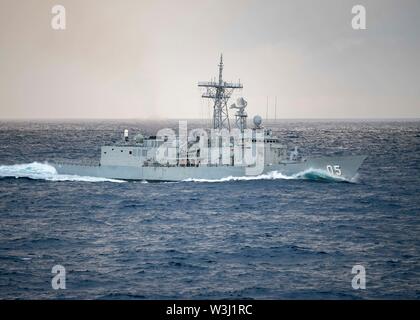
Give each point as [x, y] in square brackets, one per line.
[274, 237]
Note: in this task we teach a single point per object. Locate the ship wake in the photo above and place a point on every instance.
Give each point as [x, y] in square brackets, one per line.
[310, 174]
[44, 171]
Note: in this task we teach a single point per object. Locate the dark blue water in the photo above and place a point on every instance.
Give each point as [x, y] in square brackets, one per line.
[271, 239]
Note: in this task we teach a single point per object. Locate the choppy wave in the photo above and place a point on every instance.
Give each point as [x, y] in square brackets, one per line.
[309, 174]
[44, 171]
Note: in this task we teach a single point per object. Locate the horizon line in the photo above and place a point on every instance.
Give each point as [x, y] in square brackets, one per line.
[209, 119]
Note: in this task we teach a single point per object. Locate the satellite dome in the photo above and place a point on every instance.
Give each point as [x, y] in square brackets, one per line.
[257, 120]
[139, 138]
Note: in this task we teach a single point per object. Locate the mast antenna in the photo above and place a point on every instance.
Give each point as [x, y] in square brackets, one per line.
[220, 92]
[266, 111]
[275, 109]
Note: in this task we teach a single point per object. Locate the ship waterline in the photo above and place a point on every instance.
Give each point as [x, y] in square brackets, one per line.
[339, 167]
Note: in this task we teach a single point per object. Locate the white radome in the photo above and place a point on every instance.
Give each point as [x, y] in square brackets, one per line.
[257, 120]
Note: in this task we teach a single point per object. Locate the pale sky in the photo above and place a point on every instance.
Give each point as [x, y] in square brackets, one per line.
[143, 58]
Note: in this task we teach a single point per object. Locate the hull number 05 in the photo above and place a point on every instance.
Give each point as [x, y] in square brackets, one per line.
[334, 170]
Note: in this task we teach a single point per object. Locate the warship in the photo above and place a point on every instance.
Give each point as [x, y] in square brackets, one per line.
[227, 150]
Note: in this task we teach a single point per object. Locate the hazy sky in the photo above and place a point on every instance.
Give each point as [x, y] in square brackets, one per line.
[142, 59]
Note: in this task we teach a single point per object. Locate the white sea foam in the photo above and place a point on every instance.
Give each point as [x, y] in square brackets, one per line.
[44, 171]
[309, 174]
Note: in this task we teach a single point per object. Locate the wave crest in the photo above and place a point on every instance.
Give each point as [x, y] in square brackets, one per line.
[44, 171]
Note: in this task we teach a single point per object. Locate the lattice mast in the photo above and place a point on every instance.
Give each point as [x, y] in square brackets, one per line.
[220, 92]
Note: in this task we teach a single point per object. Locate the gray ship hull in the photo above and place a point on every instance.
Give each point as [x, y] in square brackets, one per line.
[341, 167]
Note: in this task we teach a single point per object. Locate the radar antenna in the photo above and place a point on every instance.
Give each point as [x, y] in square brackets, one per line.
[220, 92]
[240, 115]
